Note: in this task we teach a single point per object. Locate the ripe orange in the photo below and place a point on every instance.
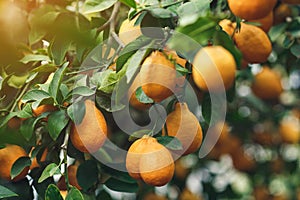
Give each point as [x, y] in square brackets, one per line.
[265, 22]
[8, 157]
[90, 134]
[43, 108]
[249, 10]
[184, 125]
[72, 171]
[214, 68]
[290, 129]
[63, 193]
[150, 161]
[253, 42]
[242, 161]
[227, 26]
[229, 145]
[15, 122]
[222, 129]
[186, 194]
[128, 32]
[261, 193]
[35, 163]
[158, 76]
[181, 171]
[281, 13]
[266, 84]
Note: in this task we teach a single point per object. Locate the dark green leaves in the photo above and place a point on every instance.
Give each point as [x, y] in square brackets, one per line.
[121, 186]
[34, 58]
[170, 142]
[19, 166]
[129, 3]
[295, 50]
[87, 174]
[49, 171]
[53, 193]
[4, 192]
[56, 81]
[74, 194]
[76, 112]
[57, 121]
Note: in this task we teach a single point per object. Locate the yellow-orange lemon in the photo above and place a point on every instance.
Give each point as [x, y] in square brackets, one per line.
[8, 156]
[289, 129]
[150, 161]
[253, 42]
[184, 125]
[128, 31]
[214, 68]
[90, 134]
[158, 76]
[266, 84]
[253, 9]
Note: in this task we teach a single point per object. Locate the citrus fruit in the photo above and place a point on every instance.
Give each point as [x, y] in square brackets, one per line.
[43, 108]
[72, 172]
[266, 84]
[186, 194]
[265, 22]
[253, 42]
[289, 129]
[184, 125]
[261, 193]
[214, 68]
[158, 76]
[128, 31]
[227, 26]
[35, 163]
[242, 161]
[281, 13]
[90, 134]
[8, 156]
[150, 161]
[15, 123]
[254, 9]
[222, 130]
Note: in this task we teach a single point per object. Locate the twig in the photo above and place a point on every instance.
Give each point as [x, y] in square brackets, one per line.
[117, 39]
[112, 17]
[19, 97]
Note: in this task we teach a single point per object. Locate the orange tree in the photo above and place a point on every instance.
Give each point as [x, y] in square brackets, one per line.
[107, 99]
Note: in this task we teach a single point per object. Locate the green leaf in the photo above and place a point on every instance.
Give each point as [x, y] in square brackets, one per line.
[27, 127]
[130, 49]
[58, 49]
[92, 6]
[276, 31]
[170, 142]
[5, 192]
[19, 166]
[161, 13]
[35, 95]
[105, 80]
[138, 134]
[183, 71]
[74, 194]
[120, 186]
[56, 81]
[103, 195]
[49, 171]
[53, 193]
[295, 50]
[135, 63]
[129, 3]
[105, 101]
[87, 174]
[34, 58]
[82, 91]
[76, 112]
[47, 68]
[26, 112]
[57, 121]
[116, 174]
[142, 97]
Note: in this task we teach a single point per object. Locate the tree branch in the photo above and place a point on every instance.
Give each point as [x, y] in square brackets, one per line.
[112, 18]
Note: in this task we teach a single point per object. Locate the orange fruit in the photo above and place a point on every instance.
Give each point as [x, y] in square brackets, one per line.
[265, 22]
[153, 196]
[222, 130]
[184, 125]
[8, 156]
[261, 193]
[181, 171]
[266, 84]
[15, 122]
[249, 10]
[229, 145]
[128, 31]
[43, 108]
[90, 134]
[35, 163]
[215, 67]
[227, 26]
[186, 194]
[263, 138]
[158, 76]
[63, 193]
[253, 42]
[150, 161]
[242, 161]
[72, 171]
[289, 129]
[281, 13]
